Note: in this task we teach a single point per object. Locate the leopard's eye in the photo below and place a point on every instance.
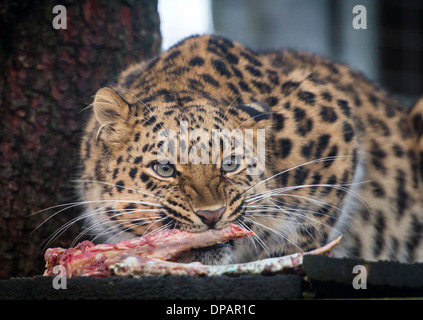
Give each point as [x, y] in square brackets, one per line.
[230, 165]
[163, 170]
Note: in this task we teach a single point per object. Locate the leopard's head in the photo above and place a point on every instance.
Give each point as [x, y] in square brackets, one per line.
[161, 166]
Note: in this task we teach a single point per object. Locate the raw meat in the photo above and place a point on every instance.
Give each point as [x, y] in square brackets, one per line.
[127, 265]
[87, 259]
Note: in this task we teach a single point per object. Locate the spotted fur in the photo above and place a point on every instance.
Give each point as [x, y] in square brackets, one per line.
[342, 156]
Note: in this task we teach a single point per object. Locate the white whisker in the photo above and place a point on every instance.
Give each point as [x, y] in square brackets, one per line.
[296, 167]
[255, 238]
[81, 203]
[117, 186]
[274, 231]
[108, 220]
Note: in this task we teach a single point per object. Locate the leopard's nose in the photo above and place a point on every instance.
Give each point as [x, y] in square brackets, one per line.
[210, 217]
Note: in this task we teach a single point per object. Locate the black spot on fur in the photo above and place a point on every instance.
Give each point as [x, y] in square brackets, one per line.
[343, 104]
[115, 173]
[253, 71]
[237, 72]
[327, 96]
[322, 144]
[130, 207]
[233, 88]
[417, 122]
[273, 77]
[244, 86]
[150, 120]
[254, 113]
[167, 95]
[398, 151]
[307, 96]
[348, 131]
[377, 156]
[299, 114]
[196, 61]
[176, 214]
[415, 236]
[232, 59]
[120, 185]
[331, 155]
[98, 171]
[195, 85]
[144, 177]
[221, 67]
[137, 137]
[251, 58]
[377, 190]
[315, 180]
[285, 146]
[306, 149]
[235, 199]
[283, 179]
[304, 127]
[173, 55]
[210, 80]
[301, 175]
[328, 114]
[331, 181]
[133, 172]
[261, 86]
[373, 99]
[158, 126]
[380, 226]
[289, 86]
[272, 101]
[402, 195]
[279, 121]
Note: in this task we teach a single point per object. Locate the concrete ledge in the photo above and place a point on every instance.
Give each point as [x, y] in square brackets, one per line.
[168, 287]
[325, 278]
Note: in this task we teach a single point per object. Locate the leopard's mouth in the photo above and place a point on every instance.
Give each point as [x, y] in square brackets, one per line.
[212, 255]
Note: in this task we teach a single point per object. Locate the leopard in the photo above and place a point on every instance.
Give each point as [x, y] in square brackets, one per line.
[339, 155]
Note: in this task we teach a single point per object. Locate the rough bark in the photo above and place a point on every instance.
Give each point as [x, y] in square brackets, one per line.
[47, 77]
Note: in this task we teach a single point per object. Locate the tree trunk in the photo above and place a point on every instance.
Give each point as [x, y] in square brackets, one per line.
[47, 77]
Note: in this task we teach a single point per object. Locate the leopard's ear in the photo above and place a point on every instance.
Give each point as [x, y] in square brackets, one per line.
[111, 113]
[255, 115]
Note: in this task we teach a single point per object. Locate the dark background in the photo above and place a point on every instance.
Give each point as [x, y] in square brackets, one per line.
[389, 51]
